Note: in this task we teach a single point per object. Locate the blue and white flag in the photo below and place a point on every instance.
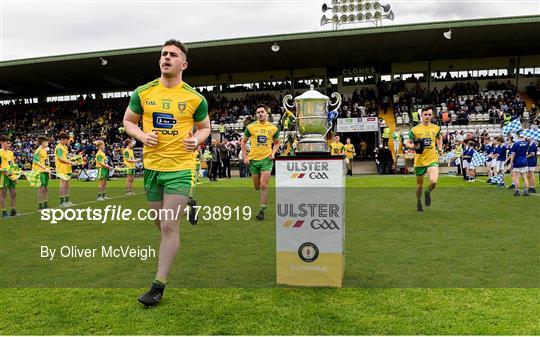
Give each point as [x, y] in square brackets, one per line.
[513, 126]
[532, 133]
[449, 156]
[478, 159]
[498, 179]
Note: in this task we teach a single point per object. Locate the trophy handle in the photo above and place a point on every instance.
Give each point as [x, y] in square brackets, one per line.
[286, 104]
[336, 105]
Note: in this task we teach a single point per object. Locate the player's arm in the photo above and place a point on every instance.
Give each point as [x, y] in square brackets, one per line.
[275, 145]
[132, 116]
[438, 140]
[62, 160]
[131, 126]
[202, 123]
[245, 139]
[200, 136]
[128, 159]
[409, 143]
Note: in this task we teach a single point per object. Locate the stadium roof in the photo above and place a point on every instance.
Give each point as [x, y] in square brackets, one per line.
[129, 68]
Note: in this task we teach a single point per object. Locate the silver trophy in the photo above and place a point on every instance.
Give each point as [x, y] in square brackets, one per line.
[312, 122]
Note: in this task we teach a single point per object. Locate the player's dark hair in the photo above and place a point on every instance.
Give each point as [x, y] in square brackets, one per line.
[264, 106]
[42, 139]
[4, 138]
[63, 135]
[178, 44]
[427, 108]
[127, 141]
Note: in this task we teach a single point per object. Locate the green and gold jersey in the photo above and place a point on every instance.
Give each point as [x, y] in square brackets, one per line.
[336, 148]
[428, 135]
[171, 113]
[7, 159]
[128, 155]
[101, 159]
[40, 156]
[61, 151]
[349, 150]
[261, 136]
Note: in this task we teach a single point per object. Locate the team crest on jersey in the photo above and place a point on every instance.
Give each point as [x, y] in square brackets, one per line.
[181, 106]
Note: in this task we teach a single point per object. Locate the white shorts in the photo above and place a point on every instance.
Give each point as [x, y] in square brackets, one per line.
[500, 165]
[520, 169]
[494, 164]
[465, 164]
[532, 169]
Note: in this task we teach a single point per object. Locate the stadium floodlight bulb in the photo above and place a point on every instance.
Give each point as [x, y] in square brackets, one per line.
[386, 8]
[325, 8]
[389, 16]
[343, 8]
[448, 35]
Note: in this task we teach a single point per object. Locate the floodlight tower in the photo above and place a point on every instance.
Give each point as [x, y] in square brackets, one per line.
[355, 11]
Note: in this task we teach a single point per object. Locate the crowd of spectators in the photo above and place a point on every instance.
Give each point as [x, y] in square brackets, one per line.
[91, 118]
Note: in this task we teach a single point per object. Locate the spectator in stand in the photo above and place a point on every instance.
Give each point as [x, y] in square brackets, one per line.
[385, 135]
[225, 155]
[398, 139]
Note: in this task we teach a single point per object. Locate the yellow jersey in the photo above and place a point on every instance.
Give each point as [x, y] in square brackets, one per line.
[128, 155]
[349, 150]
[61, 151]
[101, 159]
[7, 159]
[171, 113]
[428, 134]
[40, 156]
[261, 137]
[336, 148]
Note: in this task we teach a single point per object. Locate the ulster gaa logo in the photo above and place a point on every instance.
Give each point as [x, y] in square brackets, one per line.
[308, 252]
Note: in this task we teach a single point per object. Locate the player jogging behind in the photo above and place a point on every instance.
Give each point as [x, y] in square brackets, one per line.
[129, 162]
[264, 140]
[426, 139]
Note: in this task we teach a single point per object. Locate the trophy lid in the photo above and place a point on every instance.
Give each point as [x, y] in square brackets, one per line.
[312, 94]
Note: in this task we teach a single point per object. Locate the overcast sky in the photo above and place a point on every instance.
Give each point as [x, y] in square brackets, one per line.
[42, 28]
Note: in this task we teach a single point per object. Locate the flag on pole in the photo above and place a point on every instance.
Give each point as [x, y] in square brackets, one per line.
[78, 159]
[33, 178]
[63, 176]
[449, 156]
[498, 179]
[14, 172]
[513, 126]
[532, 133]
[478, 159]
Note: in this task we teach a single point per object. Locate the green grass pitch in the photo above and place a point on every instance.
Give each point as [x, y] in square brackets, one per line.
[469, 264]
